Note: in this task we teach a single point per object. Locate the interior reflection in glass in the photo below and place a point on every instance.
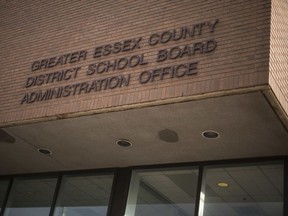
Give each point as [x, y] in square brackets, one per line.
[84, 195]
[31, 197]
[162, 192]
[252, 190]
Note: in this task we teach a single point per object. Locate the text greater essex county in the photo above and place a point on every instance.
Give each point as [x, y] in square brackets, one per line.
[106, 68]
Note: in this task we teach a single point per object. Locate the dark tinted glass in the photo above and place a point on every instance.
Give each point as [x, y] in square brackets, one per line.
[3, 189]
[31, 197]
[84, 195]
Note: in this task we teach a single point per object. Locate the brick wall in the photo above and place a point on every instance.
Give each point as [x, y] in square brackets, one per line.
[37, 30]
[278, 70]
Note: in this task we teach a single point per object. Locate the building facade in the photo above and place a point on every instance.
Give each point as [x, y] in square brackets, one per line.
[144, 108]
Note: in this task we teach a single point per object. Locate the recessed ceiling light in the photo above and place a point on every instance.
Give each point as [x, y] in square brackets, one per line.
[44, 151]
[210, 134]
[223, 184]
[124, 143]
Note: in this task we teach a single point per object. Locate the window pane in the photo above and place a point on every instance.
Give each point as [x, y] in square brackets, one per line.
[84, 195]
[166, 192]
[251, 190]
[3, 189]
[31, 197]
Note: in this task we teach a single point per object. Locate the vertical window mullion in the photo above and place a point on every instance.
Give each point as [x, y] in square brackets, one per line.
[6, 197]
[56, 193]
[119, 193]
[199, 188]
